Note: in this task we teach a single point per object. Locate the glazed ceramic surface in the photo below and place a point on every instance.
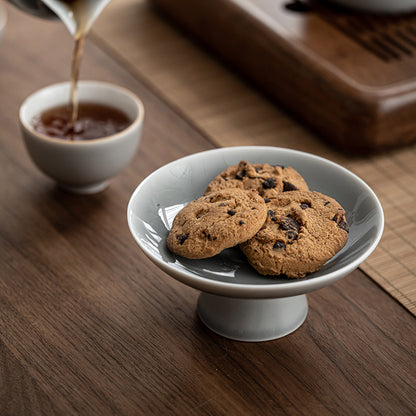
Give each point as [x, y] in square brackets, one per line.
[82, 166]
[160, 196]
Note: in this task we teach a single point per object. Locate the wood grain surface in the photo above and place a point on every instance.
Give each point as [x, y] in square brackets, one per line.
[89, 326]
[332, 82]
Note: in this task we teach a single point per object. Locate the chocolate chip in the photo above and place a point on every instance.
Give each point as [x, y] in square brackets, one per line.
[231, 212]
[292, 236]
[269, 183]
[305, 205]
[240, 175]
[326, 203]
[266, 200]
[241, 223]
[344, 226]
[182, 238]
[341, 223]
[289, 223]
[279, 245]
[208, 235]
[271, 214]
[287, 186]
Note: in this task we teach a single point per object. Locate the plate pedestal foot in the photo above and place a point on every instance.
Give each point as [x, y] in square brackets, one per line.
[252, 320]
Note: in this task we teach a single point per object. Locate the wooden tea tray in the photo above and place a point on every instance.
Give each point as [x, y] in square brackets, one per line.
[351, 77]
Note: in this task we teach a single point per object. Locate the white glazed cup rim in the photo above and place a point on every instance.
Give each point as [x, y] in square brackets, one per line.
[26, 122]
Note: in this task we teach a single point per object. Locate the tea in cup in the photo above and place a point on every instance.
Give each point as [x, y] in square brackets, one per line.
[83, 157]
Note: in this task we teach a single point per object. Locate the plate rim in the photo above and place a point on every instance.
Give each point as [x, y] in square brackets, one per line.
[245, 290]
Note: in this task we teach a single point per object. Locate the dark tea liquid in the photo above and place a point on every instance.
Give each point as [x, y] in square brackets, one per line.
[93, 121]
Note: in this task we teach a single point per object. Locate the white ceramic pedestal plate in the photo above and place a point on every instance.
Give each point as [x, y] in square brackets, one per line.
[235, 301]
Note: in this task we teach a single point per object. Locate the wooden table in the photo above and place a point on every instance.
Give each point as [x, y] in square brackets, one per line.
[89, 326]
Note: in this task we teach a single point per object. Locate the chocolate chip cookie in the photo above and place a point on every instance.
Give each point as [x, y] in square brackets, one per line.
[216, 221]
[266, 179]
[302, 231]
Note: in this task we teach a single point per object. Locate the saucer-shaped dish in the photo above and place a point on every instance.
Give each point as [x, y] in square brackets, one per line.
[236, 301]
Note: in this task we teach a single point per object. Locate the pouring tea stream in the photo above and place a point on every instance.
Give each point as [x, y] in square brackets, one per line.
[78, 16]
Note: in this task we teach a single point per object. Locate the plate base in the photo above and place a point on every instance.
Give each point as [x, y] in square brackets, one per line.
[252, 320]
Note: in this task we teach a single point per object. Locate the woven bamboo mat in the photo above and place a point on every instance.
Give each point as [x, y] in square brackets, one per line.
[191, 80]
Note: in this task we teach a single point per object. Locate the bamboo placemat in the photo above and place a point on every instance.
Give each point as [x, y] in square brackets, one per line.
[192, 80]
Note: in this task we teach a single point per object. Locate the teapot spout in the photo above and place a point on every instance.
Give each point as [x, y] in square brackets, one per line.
[77, 15]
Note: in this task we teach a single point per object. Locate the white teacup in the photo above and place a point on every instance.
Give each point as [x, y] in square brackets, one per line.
[82, 166]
